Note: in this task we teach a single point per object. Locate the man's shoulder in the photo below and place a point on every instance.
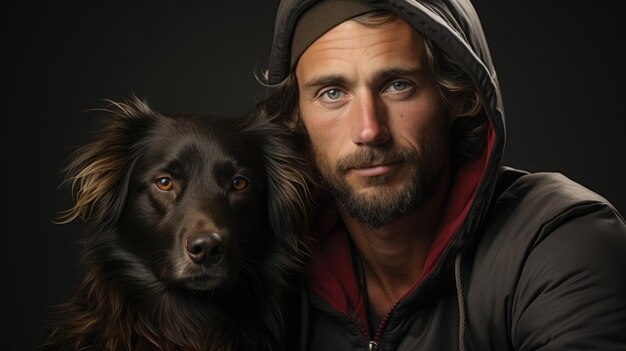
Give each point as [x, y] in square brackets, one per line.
[542, 217]
[544, 194]
[548, 240]
[531, 206]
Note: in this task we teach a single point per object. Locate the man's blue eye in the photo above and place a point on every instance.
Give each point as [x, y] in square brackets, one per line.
[333, 94]
[399, 86]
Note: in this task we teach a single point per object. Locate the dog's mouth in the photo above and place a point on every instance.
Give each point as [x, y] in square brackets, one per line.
[204, 282]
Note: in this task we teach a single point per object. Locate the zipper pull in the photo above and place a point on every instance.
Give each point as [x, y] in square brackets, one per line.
[373, 346]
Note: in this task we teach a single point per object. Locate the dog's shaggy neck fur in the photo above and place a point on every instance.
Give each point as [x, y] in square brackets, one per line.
[138, 312]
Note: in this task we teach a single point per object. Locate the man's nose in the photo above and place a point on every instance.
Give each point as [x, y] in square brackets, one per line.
[369, 126]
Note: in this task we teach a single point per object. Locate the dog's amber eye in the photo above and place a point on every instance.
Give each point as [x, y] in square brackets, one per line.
[165, 183]
[239, 183]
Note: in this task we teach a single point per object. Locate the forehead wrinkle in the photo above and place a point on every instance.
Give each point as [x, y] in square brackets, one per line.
[342, 41]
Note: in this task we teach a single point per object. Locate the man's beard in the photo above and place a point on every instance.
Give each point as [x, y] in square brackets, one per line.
[387, 203]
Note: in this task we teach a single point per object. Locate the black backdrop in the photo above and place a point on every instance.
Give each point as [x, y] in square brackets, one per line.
[560, 65]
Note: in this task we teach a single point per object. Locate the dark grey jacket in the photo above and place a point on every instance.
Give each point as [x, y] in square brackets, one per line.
[521, 261]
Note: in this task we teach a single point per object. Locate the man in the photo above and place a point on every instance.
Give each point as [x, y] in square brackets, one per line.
[425, 242]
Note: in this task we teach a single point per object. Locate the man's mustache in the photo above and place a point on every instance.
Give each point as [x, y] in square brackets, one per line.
[363, 158]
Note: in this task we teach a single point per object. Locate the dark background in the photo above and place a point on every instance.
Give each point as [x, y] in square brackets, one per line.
[560, 65]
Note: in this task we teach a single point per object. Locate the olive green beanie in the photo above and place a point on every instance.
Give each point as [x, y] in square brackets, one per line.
[319, 19]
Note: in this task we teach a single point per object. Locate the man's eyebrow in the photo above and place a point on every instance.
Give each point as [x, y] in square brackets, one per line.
[395, 72]
[330, 79]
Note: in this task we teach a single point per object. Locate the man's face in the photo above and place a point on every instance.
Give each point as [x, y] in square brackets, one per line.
[378, 129]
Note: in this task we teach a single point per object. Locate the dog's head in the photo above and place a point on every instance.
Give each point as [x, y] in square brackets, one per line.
[196, 201]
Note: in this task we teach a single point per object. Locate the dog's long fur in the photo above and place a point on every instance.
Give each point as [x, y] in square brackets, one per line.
[128, 300]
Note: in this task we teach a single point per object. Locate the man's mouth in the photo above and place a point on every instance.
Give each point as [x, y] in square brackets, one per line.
[375, 170]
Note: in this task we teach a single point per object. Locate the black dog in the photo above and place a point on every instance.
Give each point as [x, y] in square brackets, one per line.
[194, 225]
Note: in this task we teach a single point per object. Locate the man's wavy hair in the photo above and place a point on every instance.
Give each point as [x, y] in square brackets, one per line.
[458, 92]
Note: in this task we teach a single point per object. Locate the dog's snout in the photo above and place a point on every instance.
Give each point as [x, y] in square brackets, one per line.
[205, 248]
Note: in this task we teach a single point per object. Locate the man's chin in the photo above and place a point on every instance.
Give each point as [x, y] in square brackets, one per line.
[379, 205]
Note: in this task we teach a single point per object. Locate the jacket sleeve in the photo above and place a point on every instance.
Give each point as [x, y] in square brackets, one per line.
[571, 294]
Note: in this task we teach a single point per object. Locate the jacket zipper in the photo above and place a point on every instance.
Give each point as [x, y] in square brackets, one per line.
[374, 344]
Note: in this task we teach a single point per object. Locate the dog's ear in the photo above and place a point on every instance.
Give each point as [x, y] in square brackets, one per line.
[99, 172]
[289, 195]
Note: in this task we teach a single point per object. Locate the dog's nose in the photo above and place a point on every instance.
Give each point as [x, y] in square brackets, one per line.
[205, 248]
